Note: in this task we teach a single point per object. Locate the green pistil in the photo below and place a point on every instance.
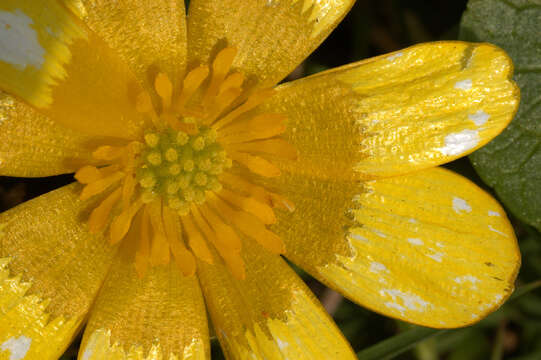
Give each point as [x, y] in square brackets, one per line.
[181, 168]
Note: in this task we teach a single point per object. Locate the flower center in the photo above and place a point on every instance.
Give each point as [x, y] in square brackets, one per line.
[186, 188]
[181, 168]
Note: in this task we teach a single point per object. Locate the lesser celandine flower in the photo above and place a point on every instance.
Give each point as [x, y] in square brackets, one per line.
[195, 172]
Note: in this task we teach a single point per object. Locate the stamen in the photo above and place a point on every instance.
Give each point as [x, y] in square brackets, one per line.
[192, 82]
[143, 105]
[108, 153]
[100, 214]
[254, 100]
[263, 126]
[128, 189]
[228, 238]
[276, 147]
[238, 183]
[159, 249]
[259, 209]
[233, 81]
[87, 174]
[143, 248]
[220, 67]
[196, 241]
[256, 164]
[121, 224]
[250, 226]
[100, 185]
[231, 256]
[164, 88]
[183, 258]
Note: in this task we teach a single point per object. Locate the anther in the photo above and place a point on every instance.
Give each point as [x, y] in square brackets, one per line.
[172, 187]
[199, 196]
[214, 185]
[154, 158]
[204, 164]
[175, 203]
[188, 165]
[198, 143]
[200, 179]
[148, 197]
[182, 138]
[171, 155]
[152, 140]
[148, 181]
[175, 169]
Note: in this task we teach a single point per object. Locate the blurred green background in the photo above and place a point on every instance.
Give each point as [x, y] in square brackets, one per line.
[373, 28]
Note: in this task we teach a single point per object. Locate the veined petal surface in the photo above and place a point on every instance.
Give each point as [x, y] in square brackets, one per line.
[429, 248]
[269, 315]
[272, 36]
[50, 59]
[32, 145]
[413, 109]
[150, 36]
[159, 316]
[50, 272]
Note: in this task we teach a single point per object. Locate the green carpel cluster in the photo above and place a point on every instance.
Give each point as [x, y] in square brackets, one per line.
[181, 167]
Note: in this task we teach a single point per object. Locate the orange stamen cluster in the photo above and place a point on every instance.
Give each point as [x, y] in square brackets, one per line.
[175, 186]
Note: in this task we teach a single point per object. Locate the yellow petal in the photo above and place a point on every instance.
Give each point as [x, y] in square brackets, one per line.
[149, 36]
[270, 314]
[32, 145]
[54, 62]
[272, 37]
[158, 316]
[429, 248]
[50, 272]
[394, 114]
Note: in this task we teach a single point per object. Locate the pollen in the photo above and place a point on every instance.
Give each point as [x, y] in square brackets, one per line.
[186, 188]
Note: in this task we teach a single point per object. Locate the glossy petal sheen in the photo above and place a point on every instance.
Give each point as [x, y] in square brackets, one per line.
[272, 36]
[150, 36]
[31, 144]
[51, 270]
[159, 316]
[429, 248]
[54, 62]
[269, 315]
[394, 114]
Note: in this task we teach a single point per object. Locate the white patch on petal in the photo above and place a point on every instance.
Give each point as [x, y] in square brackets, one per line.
[395, 306]
[463, 279]
[464, 84]
[413, 221]
[461, 205]
[377, 267]
[19, 45]
[493, 213]
[438, 256]
[395, 56]
[17, 347]
[497, 231]
[460, 142]
[357, 237]
[415, 241]
[479, 118]
[410, 301]
[282, 344]
[380, 234]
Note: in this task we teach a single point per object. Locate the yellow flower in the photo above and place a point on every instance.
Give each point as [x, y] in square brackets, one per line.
[195, 171]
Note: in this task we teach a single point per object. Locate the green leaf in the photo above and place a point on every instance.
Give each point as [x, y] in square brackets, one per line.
[511, 163]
